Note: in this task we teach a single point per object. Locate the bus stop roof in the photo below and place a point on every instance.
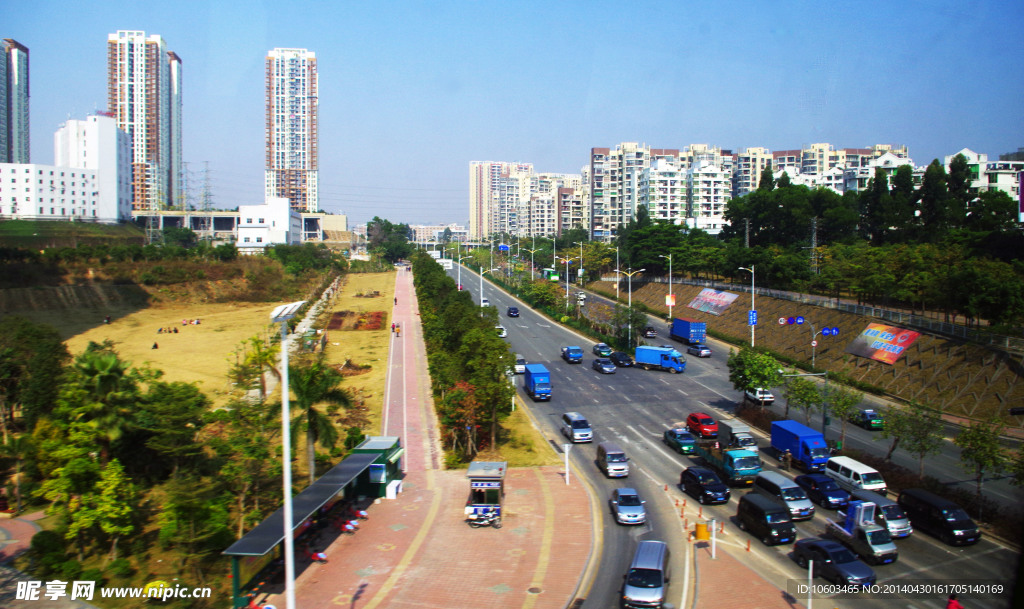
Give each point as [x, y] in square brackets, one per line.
[270, 532]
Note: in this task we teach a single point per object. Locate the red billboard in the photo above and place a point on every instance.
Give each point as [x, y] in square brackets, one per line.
[882, 343]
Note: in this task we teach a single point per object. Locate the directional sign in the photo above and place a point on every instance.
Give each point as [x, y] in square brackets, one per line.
[799, 321]
[752, 318]
[502, 248]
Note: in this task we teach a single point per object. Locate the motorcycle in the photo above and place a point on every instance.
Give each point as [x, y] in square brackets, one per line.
[491, 518]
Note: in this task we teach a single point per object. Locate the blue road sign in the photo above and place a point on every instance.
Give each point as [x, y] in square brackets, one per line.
[799, 321]
[752, 318]
[502, 248]
[826, 331]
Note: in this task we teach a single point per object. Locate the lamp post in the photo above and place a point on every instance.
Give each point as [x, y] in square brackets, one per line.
[567, 261]
[752, 309]
[482, 271]
[616, 271]
[531, 262]
[671, 300]
[629, 319]
[281, 315]
[580, 243]
[461, 258]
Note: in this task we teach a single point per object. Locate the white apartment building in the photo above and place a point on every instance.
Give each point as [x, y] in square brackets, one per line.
[856, 179]
[994, 175]
[540, 215]
[144, 96]
[423, 233]
[709, 188]
[89, 181]
[663, 189]
[292, 128]
[614, 177]
[491, 193]
[15, 143]
[747, 173]
[273, 222]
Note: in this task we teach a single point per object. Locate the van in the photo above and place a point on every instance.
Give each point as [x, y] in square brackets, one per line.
[853, 475]
[888, 514]
[612, 460]
[939, 517]
[781, 488]
[765, 519]
[576, 428]
[648, 576]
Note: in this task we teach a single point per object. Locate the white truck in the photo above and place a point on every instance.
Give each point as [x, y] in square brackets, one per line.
[859, 532]
[734, 432]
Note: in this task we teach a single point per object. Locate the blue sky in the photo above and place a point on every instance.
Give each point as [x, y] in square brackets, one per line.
[411, 92]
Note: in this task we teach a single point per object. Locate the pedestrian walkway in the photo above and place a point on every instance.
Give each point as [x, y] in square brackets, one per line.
[724, 581]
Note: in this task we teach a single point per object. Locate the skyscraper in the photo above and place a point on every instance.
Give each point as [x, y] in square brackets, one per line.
[14, 128]
[292, 133]
[144, 96]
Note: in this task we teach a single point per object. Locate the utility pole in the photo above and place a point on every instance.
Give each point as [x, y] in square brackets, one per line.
[746, 239]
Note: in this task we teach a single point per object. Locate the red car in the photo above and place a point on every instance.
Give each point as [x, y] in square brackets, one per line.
[702, 425]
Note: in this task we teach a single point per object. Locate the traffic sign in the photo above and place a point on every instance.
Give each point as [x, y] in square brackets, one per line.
[814, 343]
[752, 317]
[502, 248]
[826, 331]
[799, 321]
[782, 321]
[791, 320]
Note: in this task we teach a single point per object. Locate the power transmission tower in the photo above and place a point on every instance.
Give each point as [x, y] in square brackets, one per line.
[206, 206]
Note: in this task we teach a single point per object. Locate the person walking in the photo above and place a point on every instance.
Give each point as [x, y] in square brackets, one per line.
[953, 603]
[392, 327]
[787, 460]
[396, 301]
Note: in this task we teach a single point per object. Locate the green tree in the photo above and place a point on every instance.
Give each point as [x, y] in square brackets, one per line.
[261, 356]
[767, 180]
[804, 393]
[897, 425]
[171, 414]
[937, 215]
[32, 356]
[923, 433]
[316, 383]
[959, 183]
[750, 369]
[18, 448]
[843, 404]
[980, 451]
[993, 210]
[114, 504]
[194, 518]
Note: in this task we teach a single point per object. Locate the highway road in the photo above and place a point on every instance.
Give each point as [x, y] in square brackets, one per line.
[633, 407]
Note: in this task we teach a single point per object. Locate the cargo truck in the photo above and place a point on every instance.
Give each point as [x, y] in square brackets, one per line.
[736, 466]
[736, 433]
[807, 447]
[660, 358]
[858, 531]
[689, 331]
[537, 382]
[573, 355]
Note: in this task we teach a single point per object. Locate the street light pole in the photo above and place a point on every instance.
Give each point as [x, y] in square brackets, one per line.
[629, 319]
[616, 271]
[531, 262]
[461, 258]
[752, 308]
[670, 299]
[482, 271]
[580, 243]
[281, 315]
[567, 261]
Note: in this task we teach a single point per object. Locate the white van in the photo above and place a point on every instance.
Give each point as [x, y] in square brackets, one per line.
[853, 475]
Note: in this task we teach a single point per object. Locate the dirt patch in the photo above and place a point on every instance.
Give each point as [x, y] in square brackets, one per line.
[356, 320]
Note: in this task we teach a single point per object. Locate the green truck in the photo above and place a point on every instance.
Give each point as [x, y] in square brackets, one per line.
[736, 466]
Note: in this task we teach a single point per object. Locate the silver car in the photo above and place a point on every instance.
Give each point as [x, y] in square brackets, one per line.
[627, 506]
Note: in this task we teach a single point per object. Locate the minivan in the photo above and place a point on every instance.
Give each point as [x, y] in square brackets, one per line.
[612, 460]
[576, 428]
[765, 519]
[939, 517]
[854, 475]
[889, 514]
[781, 488]
[648, 576]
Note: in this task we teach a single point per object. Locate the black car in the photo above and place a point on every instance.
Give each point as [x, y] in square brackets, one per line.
[512, 312]
[823, 490]
[603, 365]
[621, 359]
[650, 332]
[833, 561]
[703, 485]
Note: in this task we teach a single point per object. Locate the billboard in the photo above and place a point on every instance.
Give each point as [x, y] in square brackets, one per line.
[882, 343]
[713, 301]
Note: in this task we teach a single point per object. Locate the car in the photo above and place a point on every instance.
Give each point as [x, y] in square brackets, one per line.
[627, 506]
[502, 332]
[460, 287]
[602, 350]
[699, 349]
[823, 490]
[621, 359]
[833, 561]
[681, 440]
[573, 355]
[703, 485]
[520, 365]
[701, 424]
[650, 332]
[868, 418]
[512, 312]
[484, 302]
[603, 365]
[759, 395]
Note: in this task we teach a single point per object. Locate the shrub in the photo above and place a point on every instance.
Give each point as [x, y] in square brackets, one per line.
[121, 568]
[71, 569]
[47, 542]
[94, 575]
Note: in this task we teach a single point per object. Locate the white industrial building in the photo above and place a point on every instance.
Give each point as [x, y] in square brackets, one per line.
[274, 222]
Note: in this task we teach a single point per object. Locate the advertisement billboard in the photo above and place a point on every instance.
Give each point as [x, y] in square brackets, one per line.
[713, 301]
[882, 343]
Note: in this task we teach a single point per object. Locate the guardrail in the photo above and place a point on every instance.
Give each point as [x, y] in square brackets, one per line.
[1006, 343]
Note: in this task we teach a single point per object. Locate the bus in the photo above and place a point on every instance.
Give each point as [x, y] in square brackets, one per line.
[551, 274]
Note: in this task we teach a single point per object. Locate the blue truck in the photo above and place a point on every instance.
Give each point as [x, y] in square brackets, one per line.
[737, 466]
[660, 358]
[689, 331]
[807, 447]
[573, 355]
[537, 382]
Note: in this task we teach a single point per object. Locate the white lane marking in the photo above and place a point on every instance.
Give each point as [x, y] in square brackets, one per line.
[653, 444]
[683, 392]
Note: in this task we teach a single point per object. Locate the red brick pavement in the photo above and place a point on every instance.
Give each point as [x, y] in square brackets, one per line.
[724, 581]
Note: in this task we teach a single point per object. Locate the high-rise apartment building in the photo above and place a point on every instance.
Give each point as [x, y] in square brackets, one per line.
[14, 125]
[496, 189]
[614, 185]
[747, 175]
[144, 97]
[292, 128]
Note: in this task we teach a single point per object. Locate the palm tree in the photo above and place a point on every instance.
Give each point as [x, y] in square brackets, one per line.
[102, 395]
[316, 383]
[17, 447]
[262, 357]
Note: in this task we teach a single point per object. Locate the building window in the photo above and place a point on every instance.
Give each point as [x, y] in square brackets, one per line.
[259, 239]
[245, 240]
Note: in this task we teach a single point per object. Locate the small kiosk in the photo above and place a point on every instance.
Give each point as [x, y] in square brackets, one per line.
[486, 489]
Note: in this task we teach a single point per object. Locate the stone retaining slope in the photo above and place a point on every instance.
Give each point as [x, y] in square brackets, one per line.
[70, 297]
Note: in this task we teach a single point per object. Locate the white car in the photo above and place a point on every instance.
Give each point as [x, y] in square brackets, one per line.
[520, 365]
[502, 332]
[761, 396]
[484, 302]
